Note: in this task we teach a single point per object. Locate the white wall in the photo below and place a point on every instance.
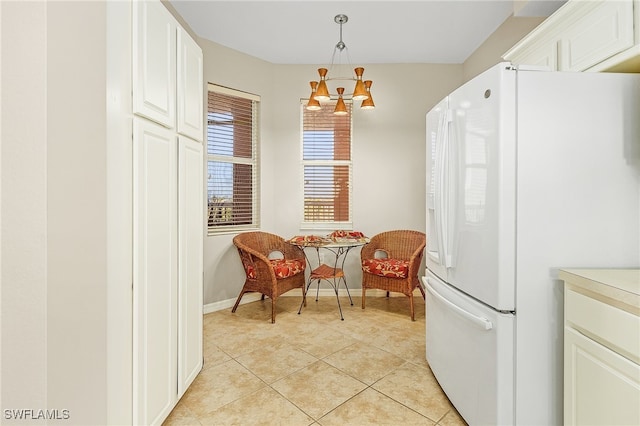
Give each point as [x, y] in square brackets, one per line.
[222, 268]
[24, 201]
[503, 38]
[53, 209]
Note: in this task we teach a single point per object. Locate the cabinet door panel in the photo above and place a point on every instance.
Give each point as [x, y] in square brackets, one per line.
[154, 273]
[601, 387]
[190, 281]
[190, 87]
[605, 31]
[154, 62]
[546, 56]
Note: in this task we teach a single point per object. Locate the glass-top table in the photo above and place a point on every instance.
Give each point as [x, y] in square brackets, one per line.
[333, 271]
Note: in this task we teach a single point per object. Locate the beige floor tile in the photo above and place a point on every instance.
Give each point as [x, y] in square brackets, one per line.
[239, 342]
[290, 301]
[256, 372]
[416, 388]
[321, 340]
[410, 348]
[318, 388]
[364, 362]
[452, 418]
[220, 385]
[373, 408]
[181, 416]
[363, 327]
[213, 355]
[263, 407]
[326, 308]
[260, 311]
[273, 363]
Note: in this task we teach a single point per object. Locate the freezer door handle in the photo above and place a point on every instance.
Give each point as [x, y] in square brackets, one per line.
[479, 321]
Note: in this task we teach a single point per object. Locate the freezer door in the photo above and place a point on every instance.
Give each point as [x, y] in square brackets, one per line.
[470, 349]
[482, 180]
[438, 122]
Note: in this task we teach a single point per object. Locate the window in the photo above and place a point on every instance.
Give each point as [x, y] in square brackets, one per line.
[232, 160]
[326, 164]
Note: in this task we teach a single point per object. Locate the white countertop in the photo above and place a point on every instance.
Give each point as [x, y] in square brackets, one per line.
[618, 287]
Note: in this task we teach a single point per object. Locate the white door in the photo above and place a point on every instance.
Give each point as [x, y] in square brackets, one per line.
[190, 87]
[154, 62]
[470, 349]
[438, 122]
[154, 272]
[190, 262]
[481, 157]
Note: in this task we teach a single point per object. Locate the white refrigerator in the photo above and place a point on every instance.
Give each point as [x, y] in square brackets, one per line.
[528, 171]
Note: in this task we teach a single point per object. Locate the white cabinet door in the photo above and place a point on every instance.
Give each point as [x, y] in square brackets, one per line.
[190, 87]
[154, 272]
[190, 262]
[601, 386]
[603, 32]
[154, 62]
[545, 55]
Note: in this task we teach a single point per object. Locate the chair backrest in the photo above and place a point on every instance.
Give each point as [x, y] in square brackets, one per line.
[258, 242]
[399, 244]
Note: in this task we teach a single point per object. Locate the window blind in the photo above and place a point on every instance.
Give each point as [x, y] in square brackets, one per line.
[326, 163]
[232, 166]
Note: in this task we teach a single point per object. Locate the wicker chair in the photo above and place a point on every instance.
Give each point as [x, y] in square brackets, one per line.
[269, 276]
[397, 269]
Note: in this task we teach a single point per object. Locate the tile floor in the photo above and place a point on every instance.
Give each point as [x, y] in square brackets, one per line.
[314, 369]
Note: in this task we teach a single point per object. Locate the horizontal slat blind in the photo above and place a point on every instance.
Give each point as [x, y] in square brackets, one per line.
[232, 161]
[326, 158]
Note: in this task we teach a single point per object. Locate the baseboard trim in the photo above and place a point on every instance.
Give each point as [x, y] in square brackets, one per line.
[324, 292]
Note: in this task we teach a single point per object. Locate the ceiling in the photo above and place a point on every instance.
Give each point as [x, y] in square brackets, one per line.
[304, 31]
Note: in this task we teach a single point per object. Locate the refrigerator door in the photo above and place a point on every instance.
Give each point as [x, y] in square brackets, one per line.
[470, 349]
[438, 123]
[482, 180]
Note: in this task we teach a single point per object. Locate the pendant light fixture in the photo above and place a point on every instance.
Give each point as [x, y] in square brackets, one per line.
[367, 103]
[320, 90]
[313, 104]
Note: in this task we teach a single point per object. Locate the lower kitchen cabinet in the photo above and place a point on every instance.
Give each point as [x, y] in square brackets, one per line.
[601, 347]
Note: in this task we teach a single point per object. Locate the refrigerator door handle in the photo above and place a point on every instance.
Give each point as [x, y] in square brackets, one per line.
[481, 322]
[438, 193]
[441, 196]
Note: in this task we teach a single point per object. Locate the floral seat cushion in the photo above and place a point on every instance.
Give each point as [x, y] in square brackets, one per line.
[392, 268]
[284, 268]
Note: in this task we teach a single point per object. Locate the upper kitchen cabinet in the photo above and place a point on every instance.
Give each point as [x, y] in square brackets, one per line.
[190, 87]
[167, 71]
[584, 36]
[154, 63]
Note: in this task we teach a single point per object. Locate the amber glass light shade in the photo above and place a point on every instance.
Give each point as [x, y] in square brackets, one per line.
[368, 103]
[313, 104]
[341, 108]
[322, 92]
[359, 92]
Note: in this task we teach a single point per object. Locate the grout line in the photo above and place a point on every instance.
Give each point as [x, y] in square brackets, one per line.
[391, 317]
